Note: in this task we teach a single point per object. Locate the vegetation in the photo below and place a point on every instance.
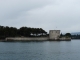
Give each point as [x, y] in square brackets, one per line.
[65, 35]
[61, 35]
[21, 32]
[75, 36]
[68, 35]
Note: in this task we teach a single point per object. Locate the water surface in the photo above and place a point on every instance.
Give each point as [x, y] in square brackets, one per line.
[46, 50]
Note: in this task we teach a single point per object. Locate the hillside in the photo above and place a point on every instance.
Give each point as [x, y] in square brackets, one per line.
[75, 33]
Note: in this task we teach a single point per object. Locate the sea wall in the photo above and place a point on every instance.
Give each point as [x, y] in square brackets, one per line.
[36, 39]
[65, 38]
[27, 38]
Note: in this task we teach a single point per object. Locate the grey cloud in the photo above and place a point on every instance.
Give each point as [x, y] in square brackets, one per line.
[13, 8]
[48, 14]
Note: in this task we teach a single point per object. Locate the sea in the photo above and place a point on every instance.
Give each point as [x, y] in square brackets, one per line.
[41, 50]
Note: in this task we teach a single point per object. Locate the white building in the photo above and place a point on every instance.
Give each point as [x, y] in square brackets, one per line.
[54, 34]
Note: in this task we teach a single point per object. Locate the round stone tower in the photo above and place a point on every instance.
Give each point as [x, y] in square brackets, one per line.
[54, 34]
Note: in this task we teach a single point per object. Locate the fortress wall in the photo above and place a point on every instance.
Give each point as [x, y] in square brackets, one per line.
[65, 38]
[27, 38]
[36, 39]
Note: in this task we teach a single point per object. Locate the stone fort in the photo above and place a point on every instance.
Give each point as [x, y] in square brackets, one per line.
[53, 35]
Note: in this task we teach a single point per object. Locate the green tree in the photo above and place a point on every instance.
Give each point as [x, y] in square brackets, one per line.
[68, 35]
[23, 31]
[61, 35]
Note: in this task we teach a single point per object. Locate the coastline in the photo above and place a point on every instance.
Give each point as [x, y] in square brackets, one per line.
[35, 39]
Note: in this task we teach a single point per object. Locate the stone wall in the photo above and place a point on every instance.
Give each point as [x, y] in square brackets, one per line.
[65, 39]
[27, 38]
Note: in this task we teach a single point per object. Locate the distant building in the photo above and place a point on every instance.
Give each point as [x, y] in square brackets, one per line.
[54, 34]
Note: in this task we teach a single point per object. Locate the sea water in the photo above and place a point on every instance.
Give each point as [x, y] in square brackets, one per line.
[41, 50]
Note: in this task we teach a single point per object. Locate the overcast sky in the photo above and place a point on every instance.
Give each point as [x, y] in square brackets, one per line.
[47, 14]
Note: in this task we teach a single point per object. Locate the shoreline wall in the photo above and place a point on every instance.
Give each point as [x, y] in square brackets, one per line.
[65, 38]
[36, 39]
[27, 38]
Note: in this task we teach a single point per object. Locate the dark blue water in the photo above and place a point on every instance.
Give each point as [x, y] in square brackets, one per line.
[47, 50]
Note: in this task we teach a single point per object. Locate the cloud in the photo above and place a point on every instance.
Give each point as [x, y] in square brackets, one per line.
[13, 8]
[46, 14]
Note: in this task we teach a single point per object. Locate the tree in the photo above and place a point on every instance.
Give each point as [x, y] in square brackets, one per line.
[23, 31]
[61, 35]
[68, 35]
